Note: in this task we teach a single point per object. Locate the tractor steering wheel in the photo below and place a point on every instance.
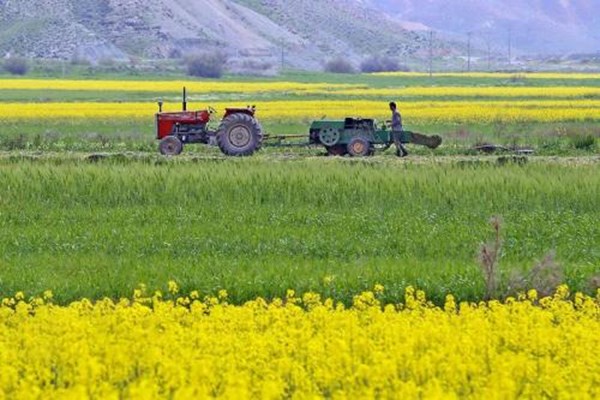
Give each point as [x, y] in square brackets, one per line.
[211, 110]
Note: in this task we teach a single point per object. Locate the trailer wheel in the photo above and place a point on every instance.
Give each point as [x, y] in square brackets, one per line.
[329, 136]
[239, 135]
[359, 147]
[170, 146]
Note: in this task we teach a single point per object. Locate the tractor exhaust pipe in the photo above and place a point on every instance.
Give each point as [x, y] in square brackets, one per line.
[184, 102]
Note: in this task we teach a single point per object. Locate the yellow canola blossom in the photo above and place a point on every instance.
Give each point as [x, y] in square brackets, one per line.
[499, 75]
[298, 88]
[413, 112]
[300, 347]
[548, 92]
[194, 87]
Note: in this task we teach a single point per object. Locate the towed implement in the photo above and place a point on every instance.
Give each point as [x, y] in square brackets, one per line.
[240, 134]
[359, 137]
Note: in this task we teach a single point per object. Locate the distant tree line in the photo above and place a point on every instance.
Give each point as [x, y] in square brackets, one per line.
[212, 65]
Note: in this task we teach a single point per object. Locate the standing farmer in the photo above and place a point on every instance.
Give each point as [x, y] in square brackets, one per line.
[397, 130]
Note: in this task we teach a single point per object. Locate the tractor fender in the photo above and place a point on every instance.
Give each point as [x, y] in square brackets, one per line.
[248, 111]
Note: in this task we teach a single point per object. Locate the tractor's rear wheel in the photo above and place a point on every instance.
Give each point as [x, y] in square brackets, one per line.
[170, 146]
[359, 147]
[239, 135]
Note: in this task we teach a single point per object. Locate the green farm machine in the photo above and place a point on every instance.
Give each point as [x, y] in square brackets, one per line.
[240, 134]
[359, 137]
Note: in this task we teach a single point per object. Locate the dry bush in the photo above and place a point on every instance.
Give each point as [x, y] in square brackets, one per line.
[382, 64]
[339, 65]
[489, 255]
[544, 277]
[16, 65]
[594, 283]
[207, 65]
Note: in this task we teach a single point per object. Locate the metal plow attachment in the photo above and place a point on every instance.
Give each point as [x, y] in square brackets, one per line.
[432, 142]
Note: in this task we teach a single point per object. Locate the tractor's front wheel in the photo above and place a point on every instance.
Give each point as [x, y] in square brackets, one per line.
[170, 146]
[239, 135]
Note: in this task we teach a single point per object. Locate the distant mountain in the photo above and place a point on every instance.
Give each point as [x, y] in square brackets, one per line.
[533, 26]
[302, 34]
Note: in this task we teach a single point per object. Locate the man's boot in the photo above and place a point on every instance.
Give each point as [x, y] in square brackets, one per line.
[401, 151]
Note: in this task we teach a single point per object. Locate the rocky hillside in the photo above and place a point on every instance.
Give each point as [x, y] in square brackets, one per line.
[300, 33]
[536, 26]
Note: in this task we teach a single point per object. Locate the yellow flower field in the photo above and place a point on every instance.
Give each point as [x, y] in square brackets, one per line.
[501, 75]
[419, 105]
[415, 112]
[298, 88]
[556, 92]
[300, 347]
[167, 86]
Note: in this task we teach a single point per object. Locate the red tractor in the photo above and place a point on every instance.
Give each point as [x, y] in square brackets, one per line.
[238, 134]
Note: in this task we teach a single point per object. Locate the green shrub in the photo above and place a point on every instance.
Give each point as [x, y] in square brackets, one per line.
[583, 141]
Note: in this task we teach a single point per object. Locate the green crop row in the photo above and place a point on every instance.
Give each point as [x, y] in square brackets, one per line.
[120, 134]
[257, 227]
